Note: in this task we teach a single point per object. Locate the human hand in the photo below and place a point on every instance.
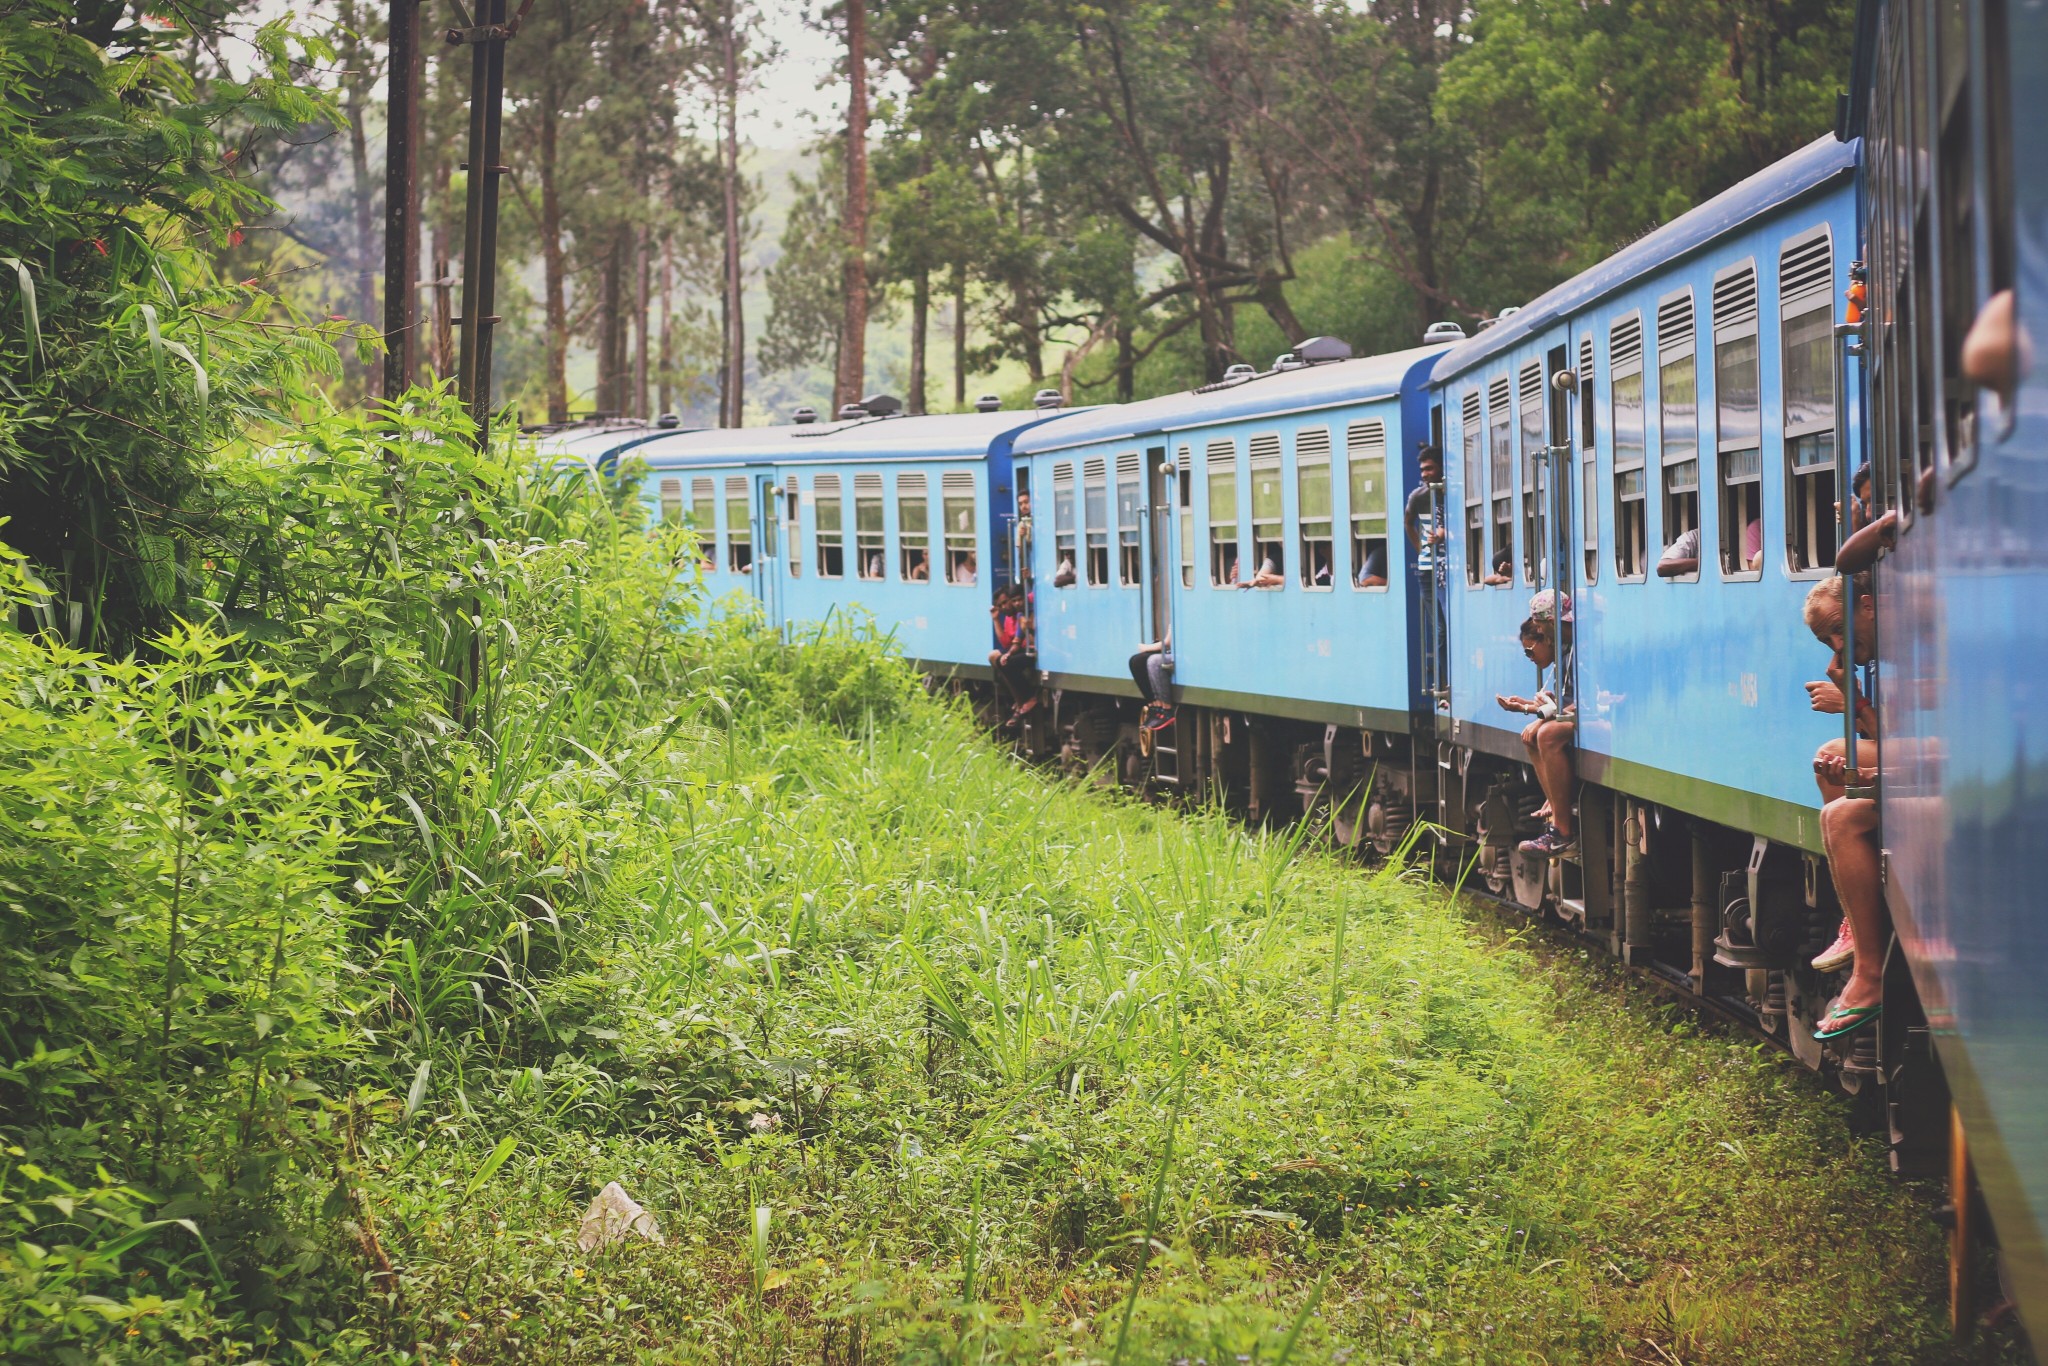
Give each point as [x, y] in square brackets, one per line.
[1520, 704]
[1835, 770]
[1824, 696]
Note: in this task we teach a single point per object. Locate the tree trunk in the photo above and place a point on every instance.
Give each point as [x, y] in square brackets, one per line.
[920, 326]
[668, 284]
[554, 284]
[853, 271]
[959, 341]
[611, 369]
[1126, 360]
[443, 361]
[369, 246]
[733, 405]
[644, 287]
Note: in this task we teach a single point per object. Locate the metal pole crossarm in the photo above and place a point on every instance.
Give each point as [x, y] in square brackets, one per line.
[480, 219]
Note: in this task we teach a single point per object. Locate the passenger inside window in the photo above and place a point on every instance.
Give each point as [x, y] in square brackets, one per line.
[1372, 570]
[1268, 574]
[963, 569]
[1503, 562]
[1548, 738]
[1063, 576]
[1681, 559]
[1318, 566]
[917, 565]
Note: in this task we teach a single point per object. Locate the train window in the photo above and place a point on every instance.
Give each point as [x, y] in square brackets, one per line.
[1269, 549]
[1738, 425]
[1095, 519]
[739, 530]
[1063, 552]
[1222, 463]
[793, 524]
[1130, 500]
[1365, 459]
[1186, 500]
[956, 504]
[671, 501]
[704, 520]
[913, 528]
[1589, 465]
[831, 526]
[1501, 480]
[1471, 433]
[1678, 417]
[1313, 506]
[870, 544]
[1805, 294]
[1534, 481]
[1625, 397]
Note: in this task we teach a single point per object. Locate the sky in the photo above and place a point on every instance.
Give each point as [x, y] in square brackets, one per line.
[787, 108]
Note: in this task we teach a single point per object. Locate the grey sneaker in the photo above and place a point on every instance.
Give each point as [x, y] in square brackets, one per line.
[1550, 844]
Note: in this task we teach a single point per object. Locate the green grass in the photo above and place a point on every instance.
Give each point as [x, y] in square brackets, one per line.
[977, 1010]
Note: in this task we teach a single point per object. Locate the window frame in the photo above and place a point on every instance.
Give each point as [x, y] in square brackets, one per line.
[1733, 331]
[1622, 367]
[1065, 540]
[740, 485]
[1311, 455]
[1219, 464]
[913, 493]
[956, 487]
[1365, 449]
[824, 495]
[1531, 441]
[870, 494]
[1472, 457]
[1184, 499]
[1500, 475]
[1794, 307]
[1589, 465]
[792, 525]
[1263, 457]
[1095, 521]
[1669, 495]
[1129, 559]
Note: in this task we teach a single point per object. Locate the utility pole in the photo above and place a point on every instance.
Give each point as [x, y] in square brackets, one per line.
[401, 199]
[486, 40]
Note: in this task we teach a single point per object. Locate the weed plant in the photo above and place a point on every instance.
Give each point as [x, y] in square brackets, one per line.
[342, 974]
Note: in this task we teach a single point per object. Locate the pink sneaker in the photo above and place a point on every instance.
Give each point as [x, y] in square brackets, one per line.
[1839, 954]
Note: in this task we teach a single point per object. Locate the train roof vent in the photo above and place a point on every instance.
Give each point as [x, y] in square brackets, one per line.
[804, 417]
[1674, 324]
[881, 405]
[669, 420]
[849, 412]
[1532, 383]
[1471, 408]
[1735, 297]
[1625, 342]
[1510, 311]
[1238, 374]
[1048, 399]
[1322, 350]
[988, 403]
[1442, 332]
[1806, 272]
[1287, 360]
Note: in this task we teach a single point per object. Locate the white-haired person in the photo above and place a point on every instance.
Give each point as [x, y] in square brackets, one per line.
[1549, 737]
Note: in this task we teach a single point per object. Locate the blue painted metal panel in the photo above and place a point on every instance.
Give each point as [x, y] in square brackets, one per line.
[1699, 680]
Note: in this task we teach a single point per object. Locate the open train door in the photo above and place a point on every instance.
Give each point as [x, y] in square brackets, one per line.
[766, 573]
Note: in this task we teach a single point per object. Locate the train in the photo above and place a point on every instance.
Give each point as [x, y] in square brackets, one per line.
[1341, 630]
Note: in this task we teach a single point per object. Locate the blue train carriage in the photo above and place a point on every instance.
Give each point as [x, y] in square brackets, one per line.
[1153, 519]
[1954, 233]
[1676, 403]
[902, 519]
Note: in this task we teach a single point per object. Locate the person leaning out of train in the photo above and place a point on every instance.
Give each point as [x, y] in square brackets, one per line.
[1063, 575]
[1425, 533]
[1848, 823]
[1548, 738]
[1500, 573]
[964, 571]
[1015, 668]
[1373, 573]
[1267, 575]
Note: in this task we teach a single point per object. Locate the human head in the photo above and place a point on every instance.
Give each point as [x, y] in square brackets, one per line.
[1023, 505]
[1539, 642]
[1549, 606]
[1859, 482]
[1823, 613]
[1432, 462]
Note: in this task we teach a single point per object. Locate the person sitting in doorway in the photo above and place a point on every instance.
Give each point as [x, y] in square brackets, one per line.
[1150, 668]
[1425, 535]
[1016, 669]
[1548, 738]
[1848, 823]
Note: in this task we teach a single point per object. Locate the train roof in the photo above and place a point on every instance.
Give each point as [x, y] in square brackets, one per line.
[1812, 166]
[938, 437]
[594, 438]
[1268, 395]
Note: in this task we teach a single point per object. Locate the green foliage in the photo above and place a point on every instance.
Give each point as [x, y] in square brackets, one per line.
[127, 360]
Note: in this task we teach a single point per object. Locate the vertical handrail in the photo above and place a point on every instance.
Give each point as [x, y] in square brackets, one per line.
[1848, 338]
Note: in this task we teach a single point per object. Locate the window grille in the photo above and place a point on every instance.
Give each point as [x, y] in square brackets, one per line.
[1472, 435]
[1678, 415]
[1130, 500]
[1312, 506]
[1365, 465]
[671, 501]
[831, 525]
[956, 493]
[1501, 479]
[1534, 479]
[1738, 419]
[1589, 466]
[1269, 549]
[739, 532]
[1222, 465]
[870, 541]
[1095, 518]
[914, 527]
[1625, 421]
[1805, 295]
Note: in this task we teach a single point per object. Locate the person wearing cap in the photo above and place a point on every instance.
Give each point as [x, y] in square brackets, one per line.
[1548, 737]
